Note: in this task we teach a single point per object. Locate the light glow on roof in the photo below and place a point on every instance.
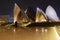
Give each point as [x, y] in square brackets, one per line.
[51, 13]
[40, 15]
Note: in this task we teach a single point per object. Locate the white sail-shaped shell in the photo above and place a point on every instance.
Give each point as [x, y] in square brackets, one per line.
[40, 15]
[51, 13]
[17, 9]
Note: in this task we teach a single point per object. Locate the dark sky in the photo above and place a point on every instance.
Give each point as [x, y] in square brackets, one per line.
[41, 4]
[6, 6]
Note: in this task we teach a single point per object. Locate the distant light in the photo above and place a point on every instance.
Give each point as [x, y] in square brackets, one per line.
[43, 20]
[15, 20]
[42, 29]
[51, 13]
[37, 20]
[14, 30]
[38, 9]
[46, 30]
[37, 30]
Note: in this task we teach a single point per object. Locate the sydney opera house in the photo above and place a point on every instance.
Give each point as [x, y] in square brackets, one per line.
[47, 24]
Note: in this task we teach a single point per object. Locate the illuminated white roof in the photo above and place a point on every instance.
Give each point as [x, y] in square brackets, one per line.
[40, 15]
[51, 13]
[40, 10]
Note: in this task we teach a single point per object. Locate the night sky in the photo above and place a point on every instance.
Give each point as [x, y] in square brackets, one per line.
[41, 4]
[7, 6]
